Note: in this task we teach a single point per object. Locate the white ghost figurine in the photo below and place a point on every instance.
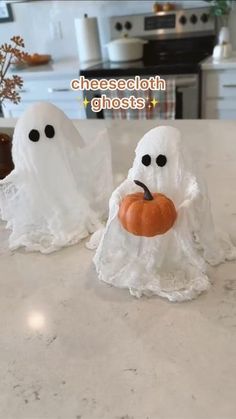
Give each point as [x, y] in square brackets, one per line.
[173, 264]
[58, 192]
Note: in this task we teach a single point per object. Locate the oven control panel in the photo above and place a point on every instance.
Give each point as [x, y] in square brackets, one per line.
[177, 22]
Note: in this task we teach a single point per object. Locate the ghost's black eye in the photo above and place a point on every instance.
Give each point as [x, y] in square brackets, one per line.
[34, 135]
[49, 131]
[146, 160]
[161, 160]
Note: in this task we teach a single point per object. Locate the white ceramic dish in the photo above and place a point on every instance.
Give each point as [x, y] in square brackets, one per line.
[125, 49]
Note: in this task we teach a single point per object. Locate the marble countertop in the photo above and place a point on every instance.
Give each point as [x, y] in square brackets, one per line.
[74, 348]
[64, 67]
[224, 64]
[70, 67]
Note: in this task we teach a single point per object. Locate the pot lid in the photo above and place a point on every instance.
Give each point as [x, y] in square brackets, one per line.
[127, 41]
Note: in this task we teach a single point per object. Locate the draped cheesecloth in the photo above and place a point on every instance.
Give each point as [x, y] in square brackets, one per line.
[59, 190]
[172, 265]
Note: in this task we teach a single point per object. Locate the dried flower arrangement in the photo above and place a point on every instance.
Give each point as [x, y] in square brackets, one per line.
[9, 54]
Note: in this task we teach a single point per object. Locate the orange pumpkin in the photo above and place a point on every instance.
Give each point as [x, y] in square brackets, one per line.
[146, 214]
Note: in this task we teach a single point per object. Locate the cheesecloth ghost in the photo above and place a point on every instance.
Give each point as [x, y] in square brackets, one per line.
[59, 190]
[172, 265]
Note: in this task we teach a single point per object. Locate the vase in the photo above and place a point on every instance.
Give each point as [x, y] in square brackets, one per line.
[6, 163]
[221, 52]
[224, 36]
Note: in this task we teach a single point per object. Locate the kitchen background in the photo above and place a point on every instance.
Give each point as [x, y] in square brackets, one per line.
[48, 27]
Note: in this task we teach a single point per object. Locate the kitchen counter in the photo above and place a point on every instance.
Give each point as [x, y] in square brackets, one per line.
[225, 64]
[218, 92]
[138, 68]
[66, 67]
[75, 348]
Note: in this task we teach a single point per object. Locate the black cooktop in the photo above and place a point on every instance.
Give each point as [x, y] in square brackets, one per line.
[139, 68]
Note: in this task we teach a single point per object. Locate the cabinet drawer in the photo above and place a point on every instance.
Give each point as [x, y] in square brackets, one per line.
[73, 110]
[220, 109]
[220, 84]
[48, 90]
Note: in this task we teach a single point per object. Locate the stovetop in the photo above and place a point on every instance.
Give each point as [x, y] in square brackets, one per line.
[111, 69]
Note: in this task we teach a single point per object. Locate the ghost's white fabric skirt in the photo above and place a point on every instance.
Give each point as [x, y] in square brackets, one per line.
[170, 265]
[51, 227]
[165, 265]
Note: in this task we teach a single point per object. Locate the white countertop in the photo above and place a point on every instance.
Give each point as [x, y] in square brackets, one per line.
[225, 64]
[102, 354]
[68, 67]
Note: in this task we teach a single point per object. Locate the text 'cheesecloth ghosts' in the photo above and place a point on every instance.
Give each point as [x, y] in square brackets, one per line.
[172, 265]
[59, 190]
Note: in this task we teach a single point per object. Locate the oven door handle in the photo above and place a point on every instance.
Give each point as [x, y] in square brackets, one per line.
[186, 82]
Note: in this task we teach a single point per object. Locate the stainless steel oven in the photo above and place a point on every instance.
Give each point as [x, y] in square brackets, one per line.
[187, 91]
[177, 42]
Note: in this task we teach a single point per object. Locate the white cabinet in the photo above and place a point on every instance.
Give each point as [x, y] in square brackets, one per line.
[50, 86]
[219, 94]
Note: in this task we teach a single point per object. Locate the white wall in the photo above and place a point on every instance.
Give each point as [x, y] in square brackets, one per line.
[232, 25]
[37, 20]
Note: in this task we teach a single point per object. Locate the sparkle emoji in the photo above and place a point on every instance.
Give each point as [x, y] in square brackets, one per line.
[86, 102]
[154, 102]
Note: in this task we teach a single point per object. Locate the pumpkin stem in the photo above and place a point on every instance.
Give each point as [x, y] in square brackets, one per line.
[147, 194]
